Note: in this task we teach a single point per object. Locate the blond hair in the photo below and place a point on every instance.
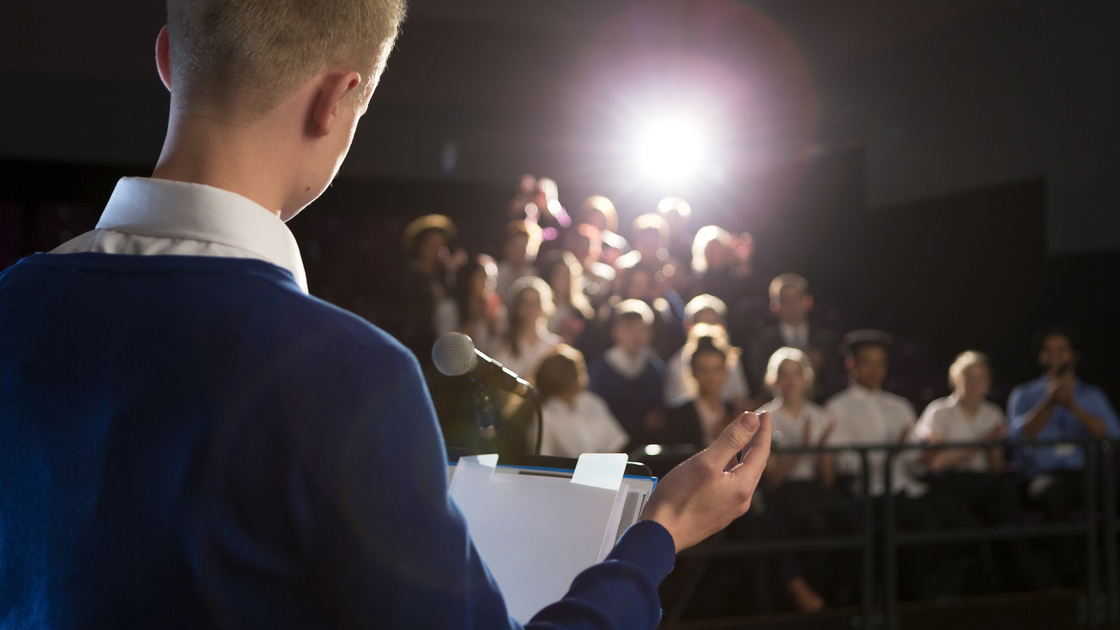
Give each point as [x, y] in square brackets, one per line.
[965, 360]
[789, 354]
[240, 58]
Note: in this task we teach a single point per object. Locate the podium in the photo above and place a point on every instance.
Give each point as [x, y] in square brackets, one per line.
[538, 521]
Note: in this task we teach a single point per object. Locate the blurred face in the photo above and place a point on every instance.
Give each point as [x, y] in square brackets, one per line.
[792, 305]
[716, 254]
[515, 249]
[791, 381]
[1056, 352]
[640, 286]
[631, 334]
[647, 242]
[433, 250]
[596, 218]
[529, 308]
[869, 367]
[974, 383]
[710, 371]
[561, 281]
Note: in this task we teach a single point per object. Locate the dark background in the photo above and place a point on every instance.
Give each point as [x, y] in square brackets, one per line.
[947, 171]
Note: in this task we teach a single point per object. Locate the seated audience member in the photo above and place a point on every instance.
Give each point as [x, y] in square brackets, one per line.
[1059, 406]
[791, 303]
[868, 416]
[972, 475]
[641, 282]
[628, 375]
[572, 311]
[575, 420]
[677, 214]
[703, 413]
[427, 243]
[519, 252]
[649, 236]
[596, 278]
[548, 214]
[473, 308]
[526, 338]
[801, 486]
[598, 211]
[721, 266]
[710, 311]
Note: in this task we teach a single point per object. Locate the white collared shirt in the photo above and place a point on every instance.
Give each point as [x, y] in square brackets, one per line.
[865, 417]
[630, 366]
[790, 432]
[585, 426]
[946, 419]
[159, 217]
[794, 337]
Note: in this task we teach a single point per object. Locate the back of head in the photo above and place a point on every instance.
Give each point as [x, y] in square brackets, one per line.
[560, 371]
[240, 58]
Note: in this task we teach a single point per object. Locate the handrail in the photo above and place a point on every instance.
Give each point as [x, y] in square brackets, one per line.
[1100, 468]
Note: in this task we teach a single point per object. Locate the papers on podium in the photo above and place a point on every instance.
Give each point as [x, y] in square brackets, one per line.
[538, 526]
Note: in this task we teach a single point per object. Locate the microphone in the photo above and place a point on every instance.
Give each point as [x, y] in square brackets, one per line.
[455, 355]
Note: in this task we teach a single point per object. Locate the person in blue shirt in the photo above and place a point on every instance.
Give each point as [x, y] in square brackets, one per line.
[189, 440]
[1058, 406]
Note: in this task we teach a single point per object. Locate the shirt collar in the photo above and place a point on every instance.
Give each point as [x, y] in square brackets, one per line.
[629, 366]
[170, 209]
[862, 391]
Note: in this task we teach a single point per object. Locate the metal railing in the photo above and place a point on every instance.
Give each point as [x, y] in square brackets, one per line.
[1100, 521]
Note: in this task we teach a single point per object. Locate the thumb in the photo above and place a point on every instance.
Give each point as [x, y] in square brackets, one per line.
[736, 436]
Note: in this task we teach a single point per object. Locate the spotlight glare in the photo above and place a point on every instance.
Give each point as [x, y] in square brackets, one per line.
[671, 149]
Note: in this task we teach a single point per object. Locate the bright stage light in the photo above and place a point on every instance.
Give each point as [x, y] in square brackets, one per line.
[671, 149]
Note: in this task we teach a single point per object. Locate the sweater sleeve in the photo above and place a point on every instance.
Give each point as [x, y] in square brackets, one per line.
[387, 545]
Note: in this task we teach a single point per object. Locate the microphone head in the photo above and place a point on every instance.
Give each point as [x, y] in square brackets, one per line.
[454, 354]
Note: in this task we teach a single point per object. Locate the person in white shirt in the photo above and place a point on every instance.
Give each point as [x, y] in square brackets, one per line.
[575, 420]
[519, 252]
[868, 416]
[709, 310]
[973, 475]
[801, 486]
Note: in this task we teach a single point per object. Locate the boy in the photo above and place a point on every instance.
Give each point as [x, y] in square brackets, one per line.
[191, 441]
[629, 375]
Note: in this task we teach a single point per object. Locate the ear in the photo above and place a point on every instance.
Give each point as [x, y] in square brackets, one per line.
[849, 364]
[808, 302]
[163, 57]
[333, 87]
[775, 305]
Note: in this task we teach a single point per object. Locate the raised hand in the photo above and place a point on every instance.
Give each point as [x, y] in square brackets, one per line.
[700, 497]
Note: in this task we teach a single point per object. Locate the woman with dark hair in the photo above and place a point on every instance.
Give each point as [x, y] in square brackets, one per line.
[704, 414]
[473, 307]
[562, 272]
[527, 338]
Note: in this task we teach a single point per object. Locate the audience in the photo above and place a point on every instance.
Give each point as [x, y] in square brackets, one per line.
[575, 420]
[519, 252]
[526, 339]
[865, 416]
[703, 413]
[707, 310]
[472, 307]
[1059, 406]
[791, 303]
[629, 375]
[623, 309]
[972, 475]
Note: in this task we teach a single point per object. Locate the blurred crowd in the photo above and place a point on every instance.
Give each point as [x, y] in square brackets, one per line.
[645, 338]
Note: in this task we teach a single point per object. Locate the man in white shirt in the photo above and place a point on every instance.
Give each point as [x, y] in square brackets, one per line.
[866, 415]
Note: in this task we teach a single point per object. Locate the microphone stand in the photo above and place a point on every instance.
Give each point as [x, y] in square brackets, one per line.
[540, 424]
[485, 416]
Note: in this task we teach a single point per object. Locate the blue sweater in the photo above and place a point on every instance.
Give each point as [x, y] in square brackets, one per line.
[193, 442]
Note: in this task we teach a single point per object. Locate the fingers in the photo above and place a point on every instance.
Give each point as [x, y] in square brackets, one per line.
[735, 437]
[755, 459]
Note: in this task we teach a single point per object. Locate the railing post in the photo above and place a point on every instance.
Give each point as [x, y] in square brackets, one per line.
[890, 549]
[1092, 590]
[1112, 580]
[868, 573]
